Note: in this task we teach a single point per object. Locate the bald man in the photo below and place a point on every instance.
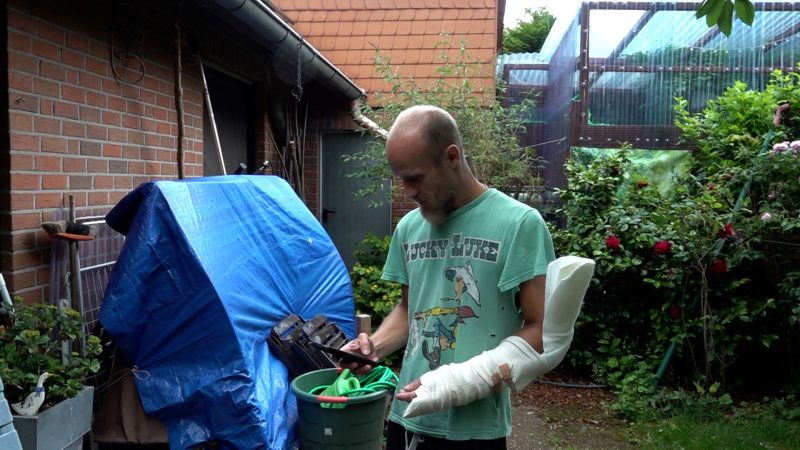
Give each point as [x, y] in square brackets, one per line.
[471, 262]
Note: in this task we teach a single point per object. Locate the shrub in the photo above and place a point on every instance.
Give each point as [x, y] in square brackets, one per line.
[33, 344]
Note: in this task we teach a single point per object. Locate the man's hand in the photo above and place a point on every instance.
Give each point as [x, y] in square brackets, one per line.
[361, 346]
[409, 392]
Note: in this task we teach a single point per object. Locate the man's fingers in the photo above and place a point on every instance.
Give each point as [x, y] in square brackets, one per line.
[365, 343]
[409, 393]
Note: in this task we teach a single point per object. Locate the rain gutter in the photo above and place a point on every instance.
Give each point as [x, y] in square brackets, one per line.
[282, 38]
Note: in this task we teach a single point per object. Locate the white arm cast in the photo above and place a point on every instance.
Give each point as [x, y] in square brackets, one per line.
[513, 360]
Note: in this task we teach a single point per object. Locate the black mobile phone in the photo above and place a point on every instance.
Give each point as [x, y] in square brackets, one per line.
[346, 356]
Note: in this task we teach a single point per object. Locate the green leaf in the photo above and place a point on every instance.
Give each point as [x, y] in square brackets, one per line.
[713, 16]
[745, 11]
[705, 7]
[725, 23]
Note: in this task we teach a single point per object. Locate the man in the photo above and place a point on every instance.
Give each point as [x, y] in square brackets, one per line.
[472, 264]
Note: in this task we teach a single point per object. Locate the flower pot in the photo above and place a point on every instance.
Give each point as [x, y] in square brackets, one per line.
[59, 427]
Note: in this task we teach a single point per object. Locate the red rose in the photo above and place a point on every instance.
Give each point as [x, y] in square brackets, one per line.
[612, 242]
[674, 311]
[725, 232]
[662, 248]
[718, 267]
[642, 184]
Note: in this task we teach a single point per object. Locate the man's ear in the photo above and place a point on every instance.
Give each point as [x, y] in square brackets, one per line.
[453, 154]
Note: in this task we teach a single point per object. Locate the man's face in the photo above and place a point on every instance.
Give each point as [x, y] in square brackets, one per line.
[432, 184]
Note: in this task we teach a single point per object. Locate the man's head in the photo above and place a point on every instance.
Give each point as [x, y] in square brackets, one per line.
[424, 150]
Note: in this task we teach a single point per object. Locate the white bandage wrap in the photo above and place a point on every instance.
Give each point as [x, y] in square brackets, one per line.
[513, 360]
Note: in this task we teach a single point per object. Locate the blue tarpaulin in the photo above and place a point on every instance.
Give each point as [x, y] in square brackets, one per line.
[209, 266]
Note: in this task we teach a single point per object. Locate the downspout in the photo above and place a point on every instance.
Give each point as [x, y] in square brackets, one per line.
[275, 32]
[365, 122]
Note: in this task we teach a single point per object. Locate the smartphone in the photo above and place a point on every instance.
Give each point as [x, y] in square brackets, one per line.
[346, 356]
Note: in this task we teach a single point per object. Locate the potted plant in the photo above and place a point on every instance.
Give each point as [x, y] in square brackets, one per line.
[39, 339]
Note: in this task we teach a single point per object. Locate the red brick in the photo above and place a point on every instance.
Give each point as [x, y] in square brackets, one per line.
[20, 122]
[130, 91]
[47, 125]
[23, 61]
[112, 150]
[111, 87]
[46, 200]
[26, 259]
[17, 41]
[131, 152]
[74, 129]
[123, 182]
[115, 197]
[58, 181]
[53, 34]
[22, 22]
[48, 163]
[97, 166]
[136, 167]
[74, 94]
[25, 221]
[20, 81]
[23, 241]
[135, 137]
[21, 162]
[97, 198]
[77, 42]
[116, 103]
[96, 132]
[43, 273]
[21, 200]
[45, 50]
[98, 66]
[88, 114]
[46, 88]
[74, 59]
[130, 121]
[23, 102]
[153, 168]
[89, 148]
[53, 71]
[98, 99]
[152, 140]
[82, 182]
[112, 118]
[74, 165]
[103, 181]
[26, 279]
[68, 110]
[24, 142]
[117, 135]
[90, 81]
[54, 144]
[117, 166]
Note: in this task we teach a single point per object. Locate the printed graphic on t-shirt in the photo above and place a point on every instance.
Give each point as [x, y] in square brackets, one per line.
[435, 330]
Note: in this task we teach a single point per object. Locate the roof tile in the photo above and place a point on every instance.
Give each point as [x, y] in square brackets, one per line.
[401, 40]
[406, 14]
[326, 44]
[402, 4]
[343, 5]
[434, 14]
[314, 4]
[451, 14]
[417, 4]
[389, 28]
[387, 4]
[372, 4]
[331, 29]
[329, 5]
[465, 14]
[392, 14]
[374, 28]
[480, 13]
[377, 15]
[447, 3]
[360, 28]
[298, 5]
[303, 28]
[358, 4]
[415, 41]
[334, 16]
[348, 16]
[304, 16]
[341, 43]
[320, 16]
[432, 4]
[403, 27]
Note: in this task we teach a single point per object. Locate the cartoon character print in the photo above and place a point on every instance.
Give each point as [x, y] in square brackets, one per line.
[435, 330]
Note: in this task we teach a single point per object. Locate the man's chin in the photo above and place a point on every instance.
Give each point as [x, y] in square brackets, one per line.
[434, 218]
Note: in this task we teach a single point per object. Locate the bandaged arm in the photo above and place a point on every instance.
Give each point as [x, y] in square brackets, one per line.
[513, 361]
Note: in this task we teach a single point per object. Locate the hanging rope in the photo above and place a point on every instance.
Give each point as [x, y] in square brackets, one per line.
[297, 91]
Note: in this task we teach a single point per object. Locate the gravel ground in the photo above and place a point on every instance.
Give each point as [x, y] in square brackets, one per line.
[549, 416]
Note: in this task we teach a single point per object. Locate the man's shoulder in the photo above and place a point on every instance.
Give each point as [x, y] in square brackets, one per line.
[512, 208]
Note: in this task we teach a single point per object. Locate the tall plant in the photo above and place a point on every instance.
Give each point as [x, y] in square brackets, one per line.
[489, 131]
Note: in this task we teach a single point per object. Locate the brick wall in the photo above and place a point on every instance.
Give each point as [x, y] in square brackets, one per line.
[85, 123]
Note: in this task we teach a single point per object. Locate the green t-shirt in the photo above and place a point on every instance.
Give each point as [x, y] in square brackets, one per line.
[462, 277]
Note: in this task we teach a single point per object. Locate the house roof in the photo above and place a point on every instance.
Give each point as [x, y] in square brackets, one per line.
[349, 32]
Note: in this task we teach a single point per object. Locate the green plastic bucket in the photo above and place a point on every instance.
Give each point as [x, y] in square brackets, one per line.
[357, 426]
